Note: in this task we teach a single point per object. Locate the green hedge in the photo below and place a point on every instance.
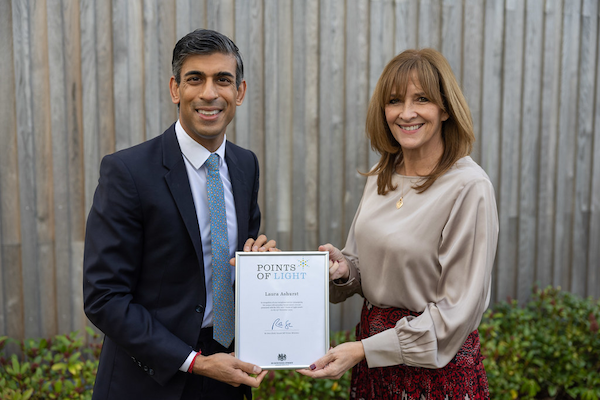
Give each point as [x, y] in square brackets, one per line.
[548, 349]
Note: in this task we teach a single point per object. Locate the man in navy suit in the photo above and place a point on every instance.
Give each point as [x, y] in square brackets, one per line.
[148, 262]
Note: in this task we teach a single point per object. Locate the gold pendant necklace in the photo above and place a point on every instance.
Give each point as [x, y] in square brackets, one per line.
[400, 202]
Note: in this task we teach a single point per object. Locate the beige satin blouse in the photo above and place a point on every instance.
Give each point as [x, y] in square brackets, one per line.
[434, 255]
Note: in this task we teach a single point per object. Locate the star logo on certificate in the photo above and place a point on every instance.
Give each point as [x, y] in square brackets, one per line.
[303, 263]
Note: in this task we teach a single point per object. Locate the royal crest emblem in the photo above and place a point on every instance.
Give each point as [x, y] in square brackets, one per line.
[281, 357]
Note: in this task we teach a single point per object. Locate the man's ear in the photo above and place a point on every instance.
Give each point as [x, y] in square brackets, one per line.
[241, 92]
[174, 89]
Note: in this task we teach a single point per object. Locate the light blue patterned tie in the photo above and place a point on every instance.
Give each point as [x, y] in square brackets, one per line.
[223, 320]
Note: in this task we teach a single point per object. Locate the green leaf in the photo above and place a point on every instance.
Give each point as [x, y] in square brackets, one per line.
[59, 367]
[27, 394]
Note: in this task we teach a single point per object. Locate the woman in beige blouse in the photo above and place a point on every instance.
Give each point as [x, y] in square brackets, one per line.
[421, 247]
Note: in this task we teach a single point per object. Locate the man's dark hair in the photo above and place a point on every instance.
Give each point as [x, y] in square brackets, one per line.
[205, 42]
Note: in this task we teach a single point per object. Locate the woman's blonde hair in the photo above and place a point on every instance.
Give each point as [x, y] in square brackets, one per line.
[437, 81]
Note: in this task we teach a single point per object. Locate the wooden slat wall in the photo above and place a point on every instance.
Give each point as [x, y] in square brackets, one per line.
[83, 78]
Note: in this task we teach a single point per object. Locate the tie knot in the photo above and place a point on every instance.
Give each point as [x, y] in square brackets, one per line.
[213, 162]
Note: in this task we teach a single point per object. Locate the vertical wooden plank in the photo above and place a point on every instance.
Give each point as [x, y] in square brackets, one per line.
[430, 28]
[167, 38]
[583, 159]
[305, 125]
[190, 15]
[128, 61]
[331, 121]
[356, 143]
[509, 163]
[299, 126]
[250, 117]
[284, 121]
[406, 29]
[593, 264]
[331, 128]
[491, 108]
[26, 156]
[311, 121]
[356, 103]
[98, 97]
[548, 141]
[278, 92]
[529, 148]
[121, 73]
[220, 16]
[67, 146]
[11, 285]
[159, 40]
[89, 87]
[381, 48]
[272, 137]
[106, 78]
[492, 89]
[152, 83]
[472, 67]
[567, 123]
[452, 27]
[35, 168]
[97, 90]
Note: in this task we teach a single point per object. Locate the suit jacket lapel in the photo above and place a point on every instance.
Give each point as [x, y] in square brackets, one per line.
[238, 185]
[178, 183]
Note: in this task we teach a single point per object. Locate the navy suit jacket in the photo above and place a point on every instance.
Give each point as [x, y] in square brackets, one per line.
[143, 281]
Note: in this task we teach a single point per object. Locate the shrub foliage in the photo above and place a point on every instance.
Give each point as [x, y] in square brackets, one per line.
[59, 368]
[548, 349]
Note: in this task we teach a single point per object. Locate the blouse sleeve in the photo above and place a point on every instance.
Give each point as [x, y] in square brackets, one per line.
[339, 292]
[466, 255]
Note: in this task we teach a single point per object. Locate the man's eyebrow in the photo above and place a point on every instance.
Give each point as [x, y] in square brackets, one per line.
[225, 73]
[219, 74]
[193, 72]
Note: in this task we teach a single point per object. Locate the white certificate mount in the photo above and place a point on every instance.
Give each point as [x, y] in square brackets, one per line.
[281, 308]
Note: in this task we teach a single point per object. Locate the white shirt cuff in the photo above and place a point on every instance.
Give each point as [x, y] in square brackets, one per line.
[186, 364]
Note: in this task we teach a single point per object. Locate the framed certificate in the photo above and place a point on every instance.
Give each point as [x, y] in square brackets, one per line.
[281, 308]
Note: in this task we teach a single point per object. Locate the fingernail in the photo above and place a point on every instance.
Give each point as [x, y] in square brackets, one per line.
[313, 367]
[255, 248]
[247, 248]
[257, 370]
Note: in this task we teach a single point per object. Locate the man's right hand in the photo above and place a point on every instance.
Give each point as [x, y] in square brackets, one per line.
[226, 368]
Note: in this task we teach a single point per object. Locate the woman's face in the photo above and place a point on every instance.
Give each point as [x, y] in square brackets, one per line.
[415, 121]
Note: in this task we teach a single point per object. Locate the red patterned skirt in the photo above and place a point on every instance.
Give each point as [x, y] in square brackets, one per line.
[463, 376]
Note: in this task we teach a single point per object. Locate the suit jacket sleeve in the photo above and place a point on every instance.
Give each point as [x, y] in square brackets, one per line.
[113, 262]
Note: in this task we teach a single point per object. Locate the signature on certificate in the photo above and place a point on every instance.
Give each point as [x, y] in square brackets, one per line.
[279, 324]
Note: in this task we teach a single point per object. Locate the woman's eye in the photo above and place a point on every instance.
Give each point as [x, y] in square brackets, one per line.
[422, 99]
[394, 101]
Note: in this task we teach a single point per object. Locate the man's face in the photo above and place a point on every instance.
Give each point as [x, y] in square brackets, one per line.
[207, 97]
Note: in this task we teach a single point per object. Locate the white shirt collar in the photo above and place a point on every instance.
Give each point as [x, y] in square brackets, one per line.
[193, 151]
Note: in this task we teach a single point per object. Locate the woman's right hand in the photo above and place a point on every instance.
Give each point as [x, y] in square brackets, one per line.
[338, 266]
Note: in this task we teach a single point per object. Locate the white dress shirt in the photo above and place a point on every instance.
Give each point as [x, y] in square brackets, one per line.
[194, 156]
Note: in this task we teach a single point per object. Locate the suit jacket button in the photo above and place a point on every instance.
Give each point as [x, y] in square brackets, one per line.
[145, 368]
[199, 308]
[150, 371]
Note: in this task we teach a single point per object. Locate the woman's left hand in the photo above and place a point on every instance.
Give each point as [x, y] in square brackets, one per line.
[336, 362]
